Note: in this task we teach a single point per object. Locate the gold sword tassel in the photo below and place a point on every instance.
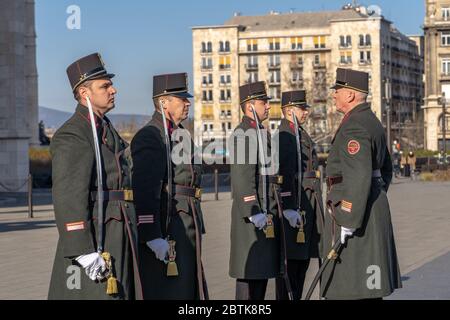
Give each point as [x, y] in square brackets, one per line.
[172, 269]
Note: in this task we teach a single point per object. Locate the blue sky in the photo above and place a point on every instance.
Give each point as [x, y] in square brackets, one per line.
[139, 39]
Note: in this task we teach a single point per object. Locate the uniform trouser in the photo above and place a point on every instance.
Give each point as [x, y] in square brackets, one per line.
[297, 274]
[251, 289]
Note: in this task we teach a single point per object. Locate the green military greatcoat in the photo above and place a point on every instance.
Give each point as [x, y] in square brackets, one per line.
[252, 255]
[74, 180]
[186, 225]
[311, 196]
[367, 266]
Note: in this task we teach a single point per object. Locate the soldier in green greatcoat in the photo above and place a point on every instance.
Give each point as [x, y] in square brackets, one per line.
[359, 171]
[81, 270]
[254, 256]
[166, 184]
[301, 192]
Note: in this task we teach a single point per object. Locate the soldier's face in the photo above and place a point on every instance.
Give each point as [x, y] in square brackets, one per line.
[301, 113]
[262, 108]
[178, 109]
[340, 98]
[101, 93]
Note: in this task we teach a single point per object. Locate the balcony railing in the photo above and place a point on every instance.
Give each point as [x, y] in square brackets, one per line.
[251, 66]
[296, 65]
[320, 65]
[274, 65]
[365, 62]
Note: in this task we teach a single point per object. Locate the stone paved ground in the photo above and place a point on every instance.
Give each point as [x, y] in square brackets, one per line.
[420, 213]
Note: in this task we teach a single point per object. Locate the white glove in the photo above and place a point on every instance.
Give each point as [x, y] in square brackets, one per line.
[259, 220]
[160, 247]
[93, 264]
[293, 217]
[346, 232]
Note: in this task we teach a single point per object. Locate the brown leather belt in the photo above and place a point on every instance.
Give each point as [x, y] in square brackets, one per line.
[114, 195]
[312, 175]
[186, 191]
[333, 180]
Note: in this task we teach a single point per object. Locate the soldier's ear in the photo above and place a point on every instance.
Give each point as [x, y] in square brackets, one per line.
[351, 95]
[82, 92]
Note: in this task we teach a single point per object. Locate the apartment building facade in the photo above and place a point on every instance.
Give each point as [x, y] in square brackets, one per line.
[299, 51]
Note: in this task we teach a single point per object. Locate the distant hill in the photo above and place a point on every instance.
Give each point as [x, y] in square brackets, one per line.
[55, 118]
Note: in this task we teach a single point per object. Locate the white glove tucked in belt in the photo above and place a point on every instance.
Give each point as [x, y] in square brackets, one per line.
[160, 247]
[93, 264]
[346, 232]
[259, 220]
[293, 217]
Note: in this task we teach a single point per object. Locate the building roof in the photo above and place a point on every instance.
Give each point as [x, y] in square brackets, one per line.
[290, 20]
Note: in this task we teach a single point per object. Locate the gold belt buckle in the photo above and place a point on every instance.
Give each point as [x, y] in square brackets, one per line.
[198, 193]
[317, 174]
[128, 195]
[280, 180]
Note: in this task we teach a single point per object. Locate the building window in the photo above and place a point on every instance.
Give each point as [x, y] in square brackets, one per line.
[346, 57]
[275, 77]
[316, 59]
[297, 76]
[224, 63]
[345, 41]
[274, 60]
[206, 63]
[445, 38]
[275, 93]
[229, 123]
[207, 79]
[224, 46]
[445, 13]
[225, 95]
[252, 45]
[365, 57]
[252, 61]
[252, 77]
[206, 47]
[225, 79]
[274, 125]
[296, 43]
[365, 40]
[319, 42]
[446, 66]
[274, 44]
[207, 95]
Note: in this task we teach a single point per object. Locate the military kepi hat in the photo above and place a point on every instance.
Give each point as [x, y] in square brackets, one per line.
[294, 99]
[175, 84]
[352, 79]
[253, 91]
[87, 68]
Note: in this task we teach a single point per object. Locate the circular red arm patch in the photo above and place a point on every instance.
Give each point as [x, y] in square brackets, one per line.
[353, 147]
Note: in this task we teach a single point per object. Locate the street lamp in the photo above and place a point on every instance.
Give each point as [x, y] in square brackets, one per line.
[444, 135]
[388, 96]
